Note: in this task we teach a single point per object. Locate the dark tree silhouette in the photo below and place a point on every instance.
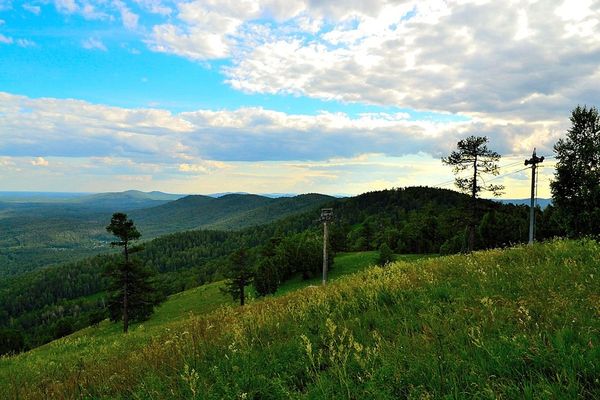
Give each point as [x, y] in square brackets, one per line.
[130, 289]
[239, 275]
[266, 279]
[576, 185]
[473, 153]
[11, 341]
[385, 255]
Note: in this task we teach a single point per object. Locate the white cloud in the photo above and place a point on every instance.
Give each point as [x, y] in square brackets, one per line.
[66, 6]
[203, 167]
[471, 57]
[7, 162]
[88, 9]
[93, 44]
[155, 6]
[25, 42]
[6, 39]
[520, 62]
[71, 128]
[32, 8]
[39, 162]
[205, 31]
[91, 12]
[19, 42]
[130, 19]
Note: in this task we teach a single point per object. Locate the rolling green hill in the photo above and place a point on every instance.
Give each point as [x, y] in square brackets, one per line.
[228, 212]
[514, 323]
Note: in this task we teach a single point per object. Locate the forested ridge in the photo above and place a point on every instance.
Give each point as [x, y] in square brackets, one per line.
[54, 301]
[34, 235]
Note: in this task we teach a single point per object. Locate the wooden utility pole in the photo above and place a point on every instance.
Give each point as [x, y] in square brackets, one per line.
[533, 161]
[326, 216]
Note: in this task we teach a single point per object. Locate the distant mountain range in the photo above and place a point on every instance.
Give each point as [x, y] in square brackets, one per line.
[39, 197]
[126, 200]
[543, 203]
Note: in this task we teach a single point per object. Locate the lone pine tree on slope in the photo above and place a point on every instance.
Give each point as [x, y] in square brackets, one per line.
[239, 276]
[130, 293]
[473, 153]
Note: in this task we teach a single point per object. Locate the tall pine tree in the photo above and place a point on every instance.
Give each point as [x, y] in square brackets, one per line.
[131, 296]
[239, 275]
[473, 154]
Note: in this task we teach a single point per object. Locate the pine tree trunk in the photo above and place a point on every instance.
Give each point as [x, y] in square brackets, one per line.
[125, 292]
[242, 299]
[471, 237]
[473, 211]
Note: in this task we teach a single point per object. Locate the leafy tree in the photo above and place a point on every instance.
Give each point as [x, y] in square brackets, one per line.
[130, 290]
[96, 316]
[385, 255]
[239, 275]
[266, 279]
[63, 327]
[576, 185]
[11, 341]
[473, 154]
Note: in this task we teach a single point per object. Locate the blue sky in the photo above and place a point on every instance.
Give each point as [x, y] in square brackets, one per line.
[281, 96]
[122, 71]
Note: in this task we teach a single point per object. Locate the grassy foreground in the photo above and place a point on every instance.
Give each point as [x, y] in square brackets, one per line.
[106, 342]
[517, 323]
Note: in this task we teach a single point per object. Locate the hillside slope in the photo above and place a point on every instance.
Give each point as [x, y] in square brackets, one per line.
[515, 323]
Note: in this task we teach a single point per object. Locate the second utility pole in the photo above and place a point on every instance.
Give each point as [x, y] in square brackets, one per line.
[326, 216]
[533, 161]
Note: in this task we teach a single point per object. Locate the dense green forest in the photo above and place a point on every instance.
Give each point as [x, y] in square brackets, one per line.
[38, 234]
[54, 301]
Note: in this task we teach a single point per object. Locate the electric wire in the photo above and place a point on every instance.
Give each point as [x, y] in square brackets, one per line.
[500, 167]
[507, 174]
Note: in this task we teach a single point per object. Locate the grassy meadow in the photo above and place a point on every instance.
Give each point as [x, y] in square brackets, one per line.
[106, 341]
[515, 323]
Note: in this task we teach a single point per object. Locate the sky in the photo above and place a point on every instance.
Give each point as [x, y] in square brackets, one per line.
[285, 96]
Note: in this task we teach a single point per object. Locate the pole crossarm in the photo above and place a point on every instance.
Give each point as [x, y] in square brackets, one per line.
[534, 160]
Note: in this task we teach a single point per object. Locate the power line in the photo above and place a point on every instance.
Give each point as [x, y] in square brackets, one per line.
[511, 164]
[500, 167]
[507, 174]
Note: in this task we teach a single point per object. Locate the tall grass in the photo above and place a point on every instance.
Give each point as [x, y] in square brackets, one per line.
[516, 323]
